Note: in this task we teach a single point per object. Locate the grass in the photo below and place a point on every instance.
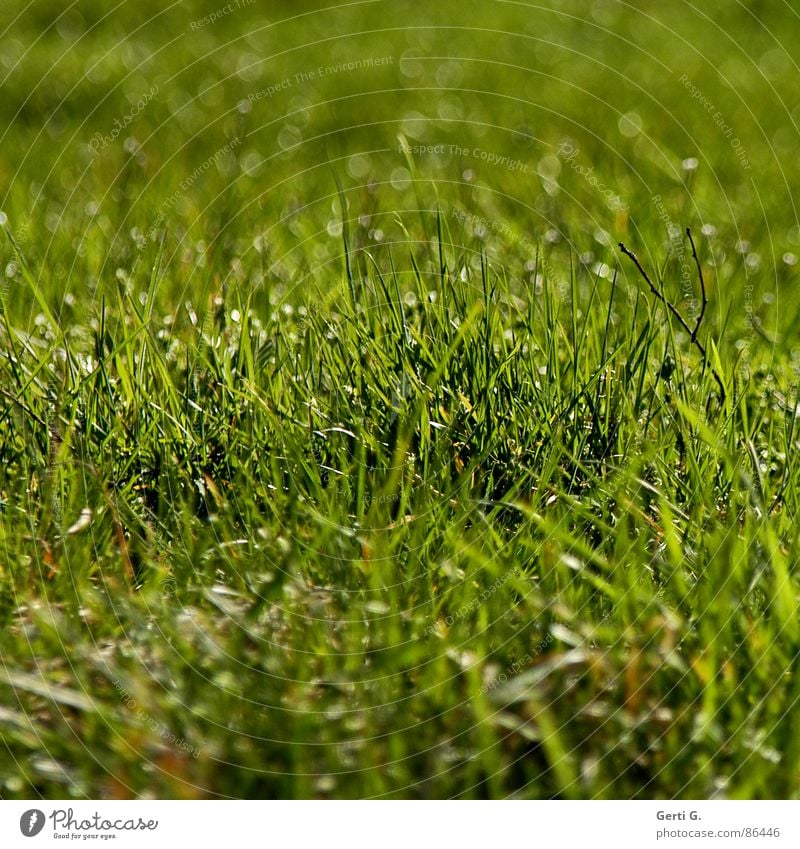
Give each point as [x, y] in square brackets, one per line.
[335, 466]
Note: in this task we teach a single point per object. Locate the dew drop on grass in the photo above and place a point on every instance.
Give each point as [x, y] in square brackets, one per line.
[15, 784]
[359, 165]
[630, 124]
[400, 178]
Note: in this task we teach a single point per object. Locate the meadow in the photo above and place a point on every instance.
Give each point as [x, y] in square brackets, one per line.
[344, 453]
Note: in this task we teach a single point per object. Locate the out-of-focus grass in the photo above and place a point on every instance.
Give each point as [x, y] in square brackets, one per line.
[340, 456]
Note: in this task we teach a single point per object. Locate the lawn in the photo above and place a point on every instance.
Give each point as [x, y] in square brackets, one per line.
[344, 452]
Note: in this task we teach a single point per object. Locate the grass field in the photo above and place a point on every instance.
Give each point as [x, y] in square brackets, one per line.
[343, 453]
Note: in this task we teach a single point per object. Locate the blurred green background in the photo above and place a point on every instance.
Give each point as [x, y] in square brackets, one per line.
[689, 104]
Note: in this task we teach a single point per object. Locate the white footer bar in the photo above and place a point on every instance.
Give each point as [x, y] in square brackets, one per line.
[401, 825]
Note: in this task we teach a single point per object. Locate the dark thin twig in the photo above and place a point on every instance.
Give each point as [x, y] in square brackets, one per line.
[674, 310]
[654, 290]
[702, 286]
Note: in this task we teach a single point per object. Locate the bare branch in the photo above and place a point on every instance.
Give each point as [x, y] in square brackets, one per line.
[702, 287]
[654, 290]
[674, 310]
